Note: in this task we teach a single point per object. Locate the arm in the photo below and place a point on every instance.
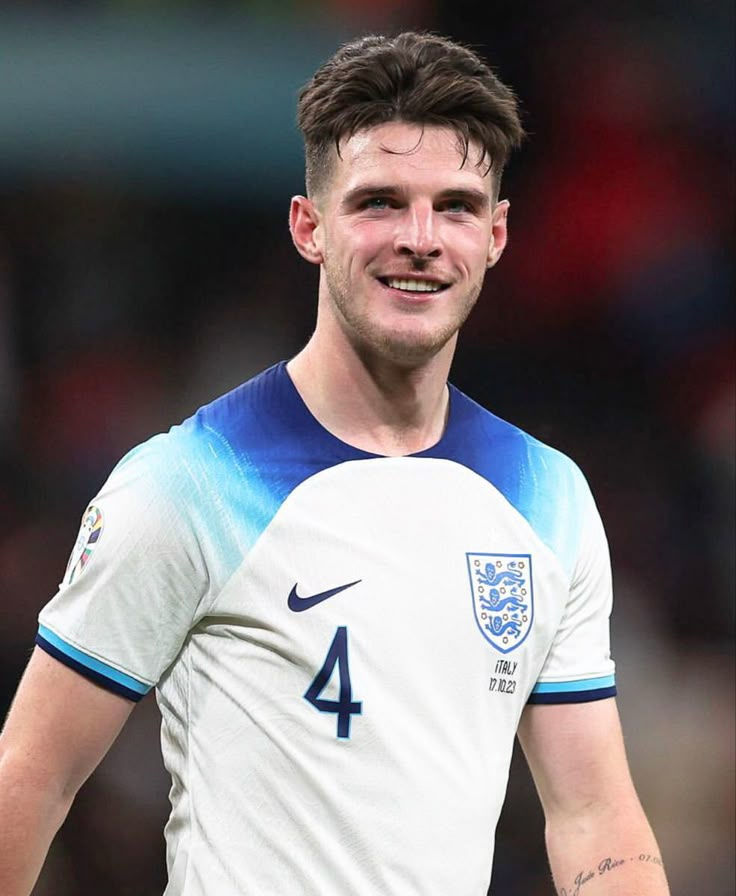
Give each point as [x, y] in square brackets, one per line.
[598, 839]
[59, 728]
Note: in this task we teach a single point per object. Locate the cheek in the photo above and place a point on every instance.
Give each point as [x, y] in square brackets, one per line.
[361, 243]
[470, 249]
[372, 232]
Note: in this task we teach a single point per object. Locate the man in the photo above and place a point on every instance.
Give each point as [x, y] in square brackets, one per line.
[349, 584]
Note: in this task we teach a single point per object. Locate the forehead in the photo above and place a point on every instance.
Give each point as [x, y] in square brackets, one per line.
[406, 155]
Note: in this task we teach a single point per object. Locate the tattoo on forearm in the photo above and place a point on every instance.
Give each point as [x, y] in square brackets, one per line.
[604, 867]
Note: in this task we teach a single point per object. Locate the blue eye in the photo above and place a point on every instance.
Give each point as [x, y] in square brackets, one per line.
[457, 206]
[376, 202]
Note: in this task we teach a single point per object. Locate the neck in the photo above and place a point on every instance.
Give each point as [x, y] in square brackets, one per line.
[371, 403]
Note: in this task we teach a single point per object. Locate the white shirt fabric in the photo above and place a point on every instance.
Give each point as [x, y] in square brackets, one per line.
[341, 643]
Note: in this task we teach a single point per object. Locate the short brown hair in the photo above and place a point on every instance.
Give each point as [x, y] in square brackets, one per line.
[419, 78]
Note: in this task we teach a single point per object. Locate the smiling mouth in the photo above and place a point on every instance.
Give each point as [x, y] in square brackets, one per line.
[413, 285]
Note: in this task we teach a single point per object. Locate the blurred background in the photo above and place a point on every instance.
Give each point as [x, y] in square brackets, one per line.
[147, 155]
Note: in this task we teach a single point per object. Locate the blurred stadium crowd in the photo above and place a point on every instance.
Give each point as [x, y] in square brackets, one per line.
[131, 295]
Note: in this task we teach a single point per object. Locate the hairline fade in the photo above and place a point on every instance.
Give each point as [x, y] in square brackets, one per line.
[415, 77]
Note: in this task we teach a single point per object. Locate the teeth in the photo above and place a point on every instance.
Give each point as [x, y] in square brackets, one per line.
[414, 285]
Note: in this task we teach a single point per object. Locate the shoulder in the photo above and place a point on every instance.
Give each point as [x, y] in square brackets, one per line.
[542, 483]
[228, 468]
[508, 455]
[240, 422]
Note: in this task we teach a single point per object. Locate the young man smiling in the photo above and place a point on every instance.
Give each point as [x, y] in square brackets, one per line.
[349, 584]
[404, 233]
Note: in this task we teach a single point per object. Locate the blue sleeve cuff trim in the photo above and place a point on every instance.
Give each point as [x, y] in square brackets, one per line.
[97, 671]
[582, 684]
[572, 696]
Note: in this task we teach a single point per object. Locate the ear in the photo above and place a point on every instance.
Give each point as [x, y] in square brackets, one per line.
[499, 232]
[306, 232]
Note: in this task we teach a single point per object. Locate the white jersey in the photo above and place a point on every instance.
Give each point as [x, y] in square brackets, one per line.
[341, 643]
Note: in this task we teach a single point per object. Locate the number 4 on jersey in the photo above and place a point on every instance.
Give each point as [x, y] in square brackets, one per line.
[345, 707]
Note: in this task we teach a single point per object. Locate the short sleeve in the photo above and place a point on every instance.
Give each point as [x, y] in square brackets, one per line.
[578, 667]
[136, 576]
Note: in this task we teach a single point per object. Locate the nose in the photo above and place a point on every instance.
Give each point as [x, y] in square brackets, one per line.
[416, 234]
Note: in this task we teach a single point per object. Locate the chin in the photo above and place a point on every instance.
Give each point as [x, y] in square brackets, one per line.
[410, 349]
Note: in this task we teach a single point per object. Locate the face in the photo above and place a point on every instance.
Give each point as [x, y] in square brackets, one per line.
[404, 233]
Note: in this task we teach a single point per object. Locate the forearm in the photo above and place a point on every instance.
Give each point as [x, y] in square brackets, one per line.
[31, 811]
[48, 749]
[606, 855]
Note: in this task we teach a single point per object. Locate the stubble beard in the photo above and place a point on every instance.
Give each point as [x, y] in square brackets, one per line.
[369, 337]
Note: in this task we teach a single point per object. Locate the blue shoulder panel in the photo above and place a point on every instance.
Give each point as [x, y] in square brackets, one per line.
[241, 456]
[244, 453]
[544, 485]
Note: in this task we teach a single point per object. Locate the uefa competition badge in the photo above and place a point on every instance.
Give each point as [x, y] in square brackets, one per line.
[89, 535]
[503, 602]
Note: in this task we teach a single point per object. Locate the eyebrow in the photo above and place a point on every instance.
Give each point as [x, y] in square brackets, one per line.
[476, 198]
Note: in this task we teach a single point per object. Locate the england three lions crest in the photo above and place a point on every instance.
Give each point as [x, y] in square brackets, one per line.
[503, 599]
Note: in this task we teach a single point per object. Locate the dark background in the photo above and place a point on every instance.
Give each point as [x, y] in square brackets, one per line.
[147, 156]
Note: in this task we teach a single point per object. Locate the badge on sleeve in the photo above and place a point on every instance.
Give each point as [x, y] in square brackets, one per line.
[502, 597]
[89, 535]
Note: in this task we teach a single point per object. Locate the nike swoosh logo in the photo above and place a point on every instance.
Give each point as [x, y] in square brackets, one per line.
[299, 604]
